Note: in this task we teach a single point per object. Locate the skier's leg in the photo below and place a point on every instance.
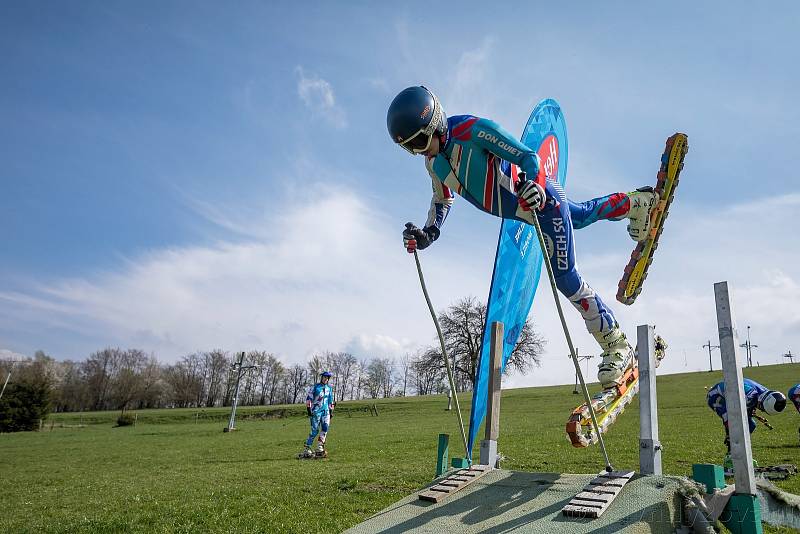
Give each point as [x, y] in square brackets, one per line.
[315, 423]
[325, 424]
[610, 207]
[556, 225]
[635, 206]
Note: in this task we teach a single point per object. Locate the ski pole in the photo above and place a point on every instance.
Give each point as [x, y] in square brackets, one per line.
[444, 354]
[572, 353]
[763, 420]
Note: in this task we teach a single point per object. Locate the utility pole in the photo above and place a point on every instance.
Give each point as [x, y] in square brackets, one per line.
[710, 346]
[749, 347]
[240, 369]
[790, 356]
[580, 358]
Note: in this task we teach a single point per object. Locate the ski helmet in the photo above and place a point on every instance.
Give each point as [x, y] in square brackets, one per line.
[413, 117]
[326, 374]
[772, 402]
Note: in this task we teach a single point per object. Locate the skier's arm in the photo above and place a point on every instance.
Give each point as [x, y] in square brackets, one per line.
[420, 238]
[490, 136]
[309, 400]
[441, 201]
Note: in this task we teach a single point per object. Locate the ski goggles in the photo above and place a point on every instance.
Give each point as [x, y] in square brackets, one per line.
[419, 142]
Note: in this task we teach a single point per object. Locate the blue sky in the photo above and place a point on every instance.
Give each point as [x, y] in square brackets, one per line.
[179, 176]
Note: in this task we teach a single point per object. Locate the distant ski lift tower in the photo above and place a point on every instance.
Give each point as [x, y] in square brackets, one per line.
[580, 358]
[749, 347]
[710, 346]
[789, 356]
[240, 369]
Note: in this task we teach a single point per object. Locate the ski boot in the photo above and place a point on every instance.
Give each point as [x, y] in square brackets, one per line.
[646, 230]
[320, 452]
[661, 349]
[307, 453]
[617, 357]
[619, 377]
[642, 202]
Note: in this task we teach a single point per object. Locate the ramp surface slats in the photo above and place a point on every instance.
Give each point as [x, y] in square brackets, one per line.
[592, 503]
[453, 483]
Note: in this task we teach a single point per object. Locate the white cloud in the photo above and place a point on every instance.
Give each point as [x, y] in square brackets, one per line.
[327, 275]
[317, 94]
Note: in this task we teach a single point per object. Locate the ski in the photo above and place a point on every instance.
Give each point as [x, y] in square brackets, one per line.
[608, 404]
[630, 285]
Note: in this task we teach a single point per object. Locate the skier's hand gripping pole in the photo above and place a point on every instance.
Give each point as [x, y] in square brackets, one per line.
[444, 354]
[572, 352]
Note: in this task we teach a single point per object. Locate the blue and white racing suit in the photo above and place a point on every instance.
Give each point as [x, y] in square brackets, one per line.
[752, 394]
[320, 401]
[794, 396]
[482, 163]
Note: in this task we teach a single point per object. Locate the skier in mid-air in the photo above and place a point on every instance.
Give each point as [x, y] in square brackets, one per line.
[756, 397]
[794, 396]
[495, 172]
[319, 406]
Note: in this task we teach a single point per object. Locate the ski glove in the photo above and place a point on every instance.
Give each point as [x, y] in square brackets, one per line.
[419, 238]
[530, 195]
[308, 410]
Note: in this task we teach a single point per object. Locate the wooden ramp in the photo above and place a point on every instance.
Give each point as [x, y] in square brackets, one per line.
[597, 495]
[453, 483]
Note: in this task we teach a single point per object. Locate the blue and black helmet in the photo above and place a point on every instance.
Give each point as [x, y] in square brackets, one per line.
[414, 116]
[326, 374]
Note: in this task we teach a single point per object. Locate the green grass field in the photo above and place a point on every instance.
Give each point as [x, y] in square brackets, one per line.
[176, 471]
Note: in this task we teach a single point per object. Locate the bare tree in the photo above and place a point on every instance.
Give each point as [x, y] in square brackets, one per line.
[405, 366]
[462, 327]
[296, 379]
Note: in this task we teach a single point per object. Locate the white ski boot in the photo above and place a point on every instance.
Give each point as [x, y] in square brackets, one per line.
[643, 200]
[617, 357]
[307, 452]
[321, 452]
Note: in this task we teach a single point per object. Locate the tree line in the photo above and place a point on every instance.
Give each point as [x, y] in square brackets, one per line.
[122, 379]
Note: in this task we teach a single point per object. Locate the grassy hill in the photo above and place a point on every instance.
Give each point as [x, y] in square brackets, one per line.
[176, 471]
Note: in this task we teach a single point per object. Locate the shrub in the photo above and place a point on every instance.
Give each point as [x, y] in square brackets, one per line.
[125, 419]
[22, 405]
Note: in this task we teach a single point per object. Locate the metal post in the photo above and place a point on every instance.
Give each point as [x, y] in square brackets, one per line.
[492, 429]
[649, 446]
[738, 427]
[238, 367]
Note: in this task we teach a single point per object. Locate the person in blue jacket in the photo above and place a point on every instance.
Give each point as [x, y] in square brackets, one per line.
[757, 397]
[794, 396]
[478, 160]
[319, 405]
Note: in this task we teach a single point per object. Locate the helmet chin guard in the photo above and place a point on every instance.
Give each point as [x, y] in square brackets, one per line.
[772, 402]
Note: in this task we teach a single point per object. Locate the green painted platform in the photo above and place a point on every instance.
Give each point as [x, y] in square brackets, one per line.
[513, 501]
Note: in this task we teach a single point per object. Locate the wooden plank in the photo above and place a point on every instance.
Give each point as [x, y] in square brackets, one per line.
[592, 496]
[443, 489]
[608, 490]
[587, 504]
[432, 496]
[580, 511]
[452, 483]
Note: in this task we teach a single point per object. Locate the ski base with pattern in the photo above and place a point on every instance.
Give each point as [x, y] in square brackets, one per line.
[642, 256]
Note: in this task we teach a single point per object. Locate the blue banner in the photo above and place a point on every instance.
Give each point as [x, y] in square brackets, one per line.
[518, 263]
